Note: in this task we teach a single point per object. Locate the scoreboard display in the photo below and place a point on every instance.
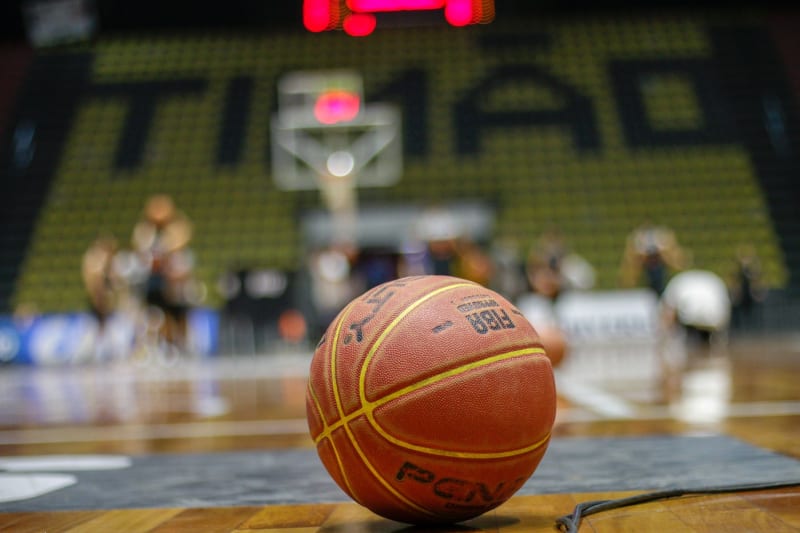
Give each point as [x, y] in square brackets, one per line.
[357, 17]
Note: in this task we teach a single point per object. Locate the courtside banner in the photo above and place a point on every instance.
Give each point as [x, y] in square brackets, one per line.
[74, 338]
[607, 315]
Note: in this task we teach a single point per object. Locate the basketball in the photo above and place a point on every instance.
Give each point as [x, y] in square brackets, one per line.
[554, 342]
[430, 400]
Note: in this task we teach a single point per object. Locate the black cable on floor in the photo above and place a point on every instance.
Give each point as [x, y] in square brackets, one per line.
[571, 522]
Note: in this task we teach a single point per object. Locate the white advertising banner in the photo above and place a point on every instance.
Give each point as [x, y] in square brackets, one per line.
[612, 335]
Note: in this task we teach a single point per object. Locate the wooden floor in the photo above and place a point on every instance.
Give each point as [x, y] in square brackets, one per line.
[159, 405]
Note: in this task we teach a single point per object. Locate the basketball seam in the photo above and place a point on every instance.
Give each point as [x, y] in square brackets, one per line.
[333, 445]
[345, 419]
[344, 423]
[464, 368]
[326, 427]
[405, 311]
[390, 327]
[369, 411]
[372, 405]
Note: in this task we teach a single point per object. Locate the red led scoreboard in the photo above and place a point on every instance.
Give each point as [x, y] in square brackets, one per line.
[357, 17]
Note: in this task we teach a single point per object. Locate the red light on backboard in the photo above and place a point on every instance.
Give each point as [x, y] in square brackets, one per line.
[459, 12]
[463, 12]
[317, 15]
[359, 24]
[336, 106]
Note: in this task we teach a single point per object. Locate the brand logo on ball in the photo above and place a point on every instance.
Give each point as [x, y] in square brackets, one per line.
[459, 492]
[377, 300]
[491, 318]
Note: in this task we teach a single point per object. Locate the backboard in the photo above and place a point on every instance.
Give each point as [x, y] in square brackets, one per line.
[323, 131]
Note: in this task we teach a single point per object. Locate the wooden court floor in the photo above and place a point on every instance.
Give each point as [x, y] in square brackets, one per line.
[159, 405]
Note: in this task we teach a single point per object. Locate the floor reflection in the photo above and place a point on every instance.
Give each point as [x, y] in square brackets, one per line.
[706, 389]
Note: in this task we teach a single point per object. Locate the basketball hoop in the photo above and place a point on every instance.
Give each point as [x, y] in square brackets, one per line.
[325, 137]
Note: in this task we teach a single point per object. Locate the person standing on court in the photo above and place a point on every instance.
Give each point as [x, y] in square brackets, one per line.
[161, 239]
[652, 253]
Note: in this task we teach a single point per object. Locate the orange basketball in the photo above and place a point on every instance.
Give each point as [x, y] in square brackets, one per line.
[430, 399]
[554, 342]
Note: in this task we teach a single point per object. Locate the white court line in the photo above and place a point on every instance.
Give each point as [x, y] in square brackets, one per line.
[291, 426]
[596, 405]
[732, 410]
[58, 463]
[595, 399]
[604, 406]
[241, 368]
[743, 410]
[16, 487]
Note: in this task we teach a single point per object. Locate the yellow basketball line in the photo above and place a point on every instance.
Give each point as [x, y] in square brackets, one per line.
[333, 446]
[337, 399]
[349, 432]
[370, 408]
[362, 377]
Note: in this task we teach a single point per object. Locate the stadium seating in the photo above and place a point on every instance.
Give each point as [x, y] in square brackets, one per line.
[536, 175]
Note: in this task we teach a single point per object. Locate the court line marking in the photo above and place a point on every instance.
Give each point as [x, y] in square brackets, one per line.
[597, 400]
[731, 410]
[227, 368]
[280, 427]
[299, 427]
[593, 404]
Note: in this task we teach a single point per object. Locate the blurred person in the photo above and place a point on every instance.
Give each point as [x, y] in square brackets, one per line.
[552, 267]
[543, 265]
[473, 263]
[508, 273]
[747, 287]
[437, 231]
[443, 248]
[376, 265]
[260, 310]
[696, 313]
[100, 280]
[651, 254]
[161, 240]
[697, 303]
[107, 286]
